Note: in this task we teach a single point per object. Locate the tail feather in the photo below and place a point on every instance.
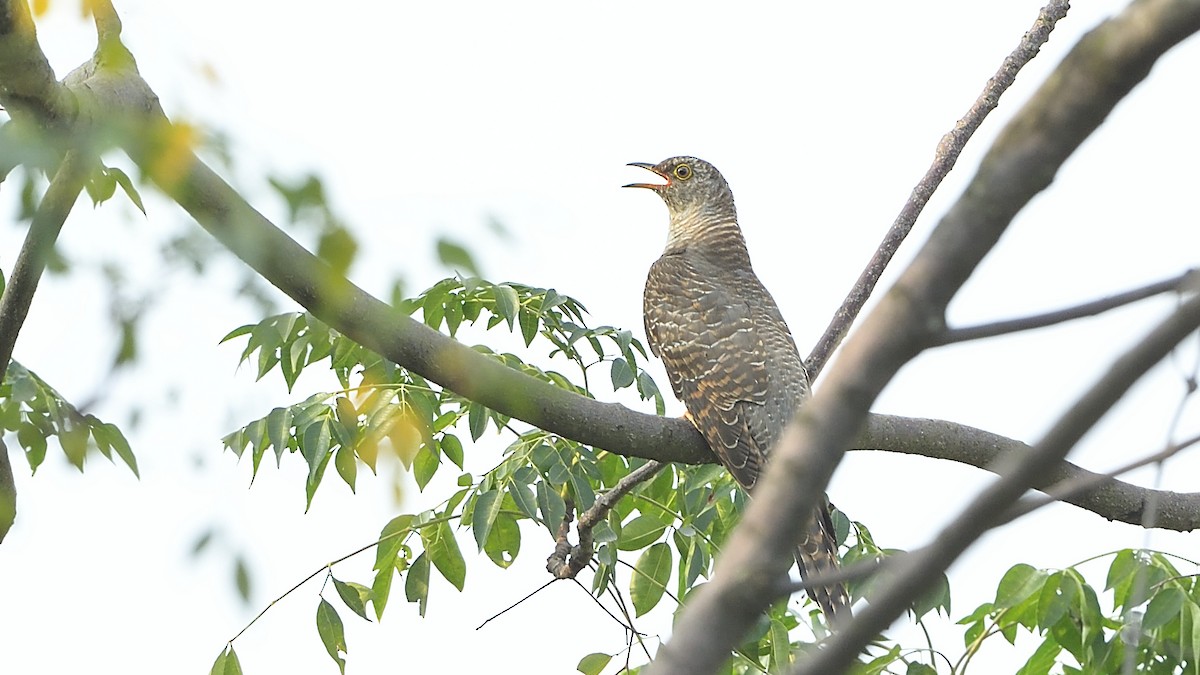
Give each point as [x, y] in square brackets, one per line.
[817, 556]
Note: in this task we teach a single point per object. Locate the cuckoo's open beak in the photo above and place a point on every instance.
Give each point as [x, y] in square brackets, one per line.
[648, 186]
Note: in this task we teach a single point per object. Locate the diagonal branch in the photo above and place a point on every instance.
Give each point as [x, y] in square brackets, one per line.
[1188, 281]
[944, 159]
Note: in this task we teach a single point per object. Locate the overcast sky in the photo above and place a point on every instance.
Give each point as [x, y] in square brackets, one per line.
[434, 119]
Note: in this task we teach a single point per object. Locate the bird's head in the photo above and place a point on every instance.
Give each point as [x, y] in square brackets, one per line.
[693, 188]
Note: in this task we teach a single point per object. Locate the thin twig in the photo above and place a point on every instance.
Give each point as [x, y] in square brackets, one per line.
[326, 567]
[529, 595]
[1181, 282]
[628, 627]
[944, 159]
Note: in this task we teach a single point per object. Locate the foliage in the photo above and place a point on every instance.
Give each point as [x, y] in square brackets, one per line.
[1153, 626]
[674, 524]
[36, 412]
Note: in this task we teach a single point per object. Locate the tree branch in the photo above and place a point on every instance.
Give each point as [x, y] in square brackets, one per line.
[944, 159]
[1189, 280]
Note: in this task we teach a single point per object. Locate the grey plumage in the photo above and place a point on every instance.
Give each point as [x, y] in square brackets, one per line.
[727, 349]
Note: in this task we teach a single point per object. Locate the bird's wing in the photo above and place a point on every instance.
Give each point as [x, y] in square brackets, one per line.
[714, 357]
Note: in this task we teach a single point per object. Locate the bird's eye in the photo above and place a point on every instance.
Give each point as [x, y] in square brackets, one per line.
[683, 172]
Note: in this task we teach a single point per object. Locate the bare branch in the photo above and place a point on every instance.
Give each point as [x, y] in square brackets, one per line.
[1189, 280]
[944, 159]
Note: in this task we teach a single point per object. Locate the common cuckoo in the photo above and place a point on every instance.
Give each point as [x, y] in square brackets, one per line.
[727, 350]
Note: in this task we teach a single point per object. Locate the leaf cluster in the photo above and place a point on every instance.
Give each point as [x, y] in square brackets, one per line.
[36, 412]
[1152, 626]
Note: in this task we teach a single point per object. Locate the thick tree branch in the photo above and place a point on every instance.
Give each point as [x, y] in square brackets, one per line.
[944, 159]
[1188, 281]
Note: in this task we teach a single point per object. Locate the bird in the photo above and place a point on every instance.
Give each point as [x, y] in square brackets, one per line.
[726, 348]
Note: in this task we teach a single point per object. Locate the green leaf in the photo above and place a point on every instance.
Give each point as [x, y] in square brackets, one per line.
[524, 498]
[621, 374]
[452, 448]
[640, 533]
[354, 595]
[425, 464]
[346, 465]
[416, 583]
[329, 627]
[504, 543]
[128, 188]
[241, 578]
[314, 443]
[381, 588]
[74, 440]
[390, 540]
[487, 507]
[109, 436]
[456, 257]
[1043, 658]
[507, 303]
[477, 420]
[530, 322]
[550, 503]
[226, 663]
[279, 424]
[593, 664]
[1164, 607]
[651, 573]
[1017, 584]
[444, 553]
[781, 646]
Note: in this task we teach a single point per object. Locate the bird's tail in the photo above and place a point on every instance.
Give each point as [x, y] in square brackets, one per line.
[817, 556]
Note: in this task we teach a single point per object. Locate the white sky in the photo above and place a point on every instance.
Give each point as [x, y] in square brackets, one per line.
[427, 119]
